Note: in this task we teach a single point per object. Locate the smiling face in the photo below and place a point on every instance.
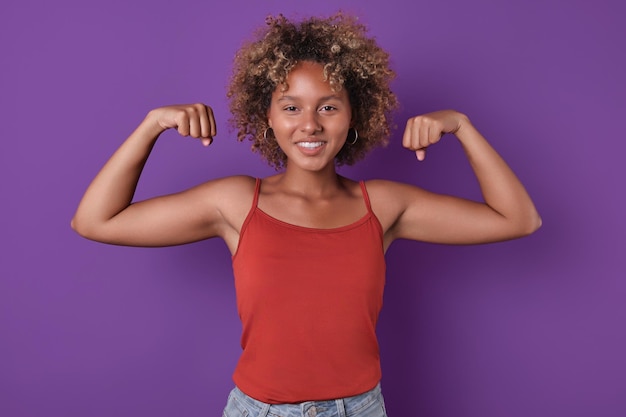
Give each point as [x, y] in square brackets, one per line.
[310, 120]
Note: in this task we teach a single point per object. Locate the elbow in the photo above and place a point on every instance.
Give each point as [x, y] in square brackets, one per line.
[538, 223]
[82, 228]
[76, 226]
[92, 230]
[531, 225]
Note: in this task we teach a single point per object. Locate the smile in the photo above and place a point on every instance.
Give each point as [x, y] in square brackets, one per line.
[310, 145]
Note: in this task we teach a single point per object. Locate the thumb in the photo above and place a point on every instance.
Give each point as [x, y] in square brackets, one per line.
[420, 154]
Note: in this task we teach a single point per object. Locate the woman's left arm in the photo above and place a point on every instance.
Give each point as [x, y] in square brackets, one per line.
[506, 213]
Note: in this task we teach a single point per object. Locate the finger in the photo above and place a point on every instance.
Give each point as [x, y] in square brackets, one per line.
[413, 134]
[423, 136]
[207, 141]
[195, 124]
[435, 133]
[212, 124]
[420, 154]
[406, 137]
[205, 123]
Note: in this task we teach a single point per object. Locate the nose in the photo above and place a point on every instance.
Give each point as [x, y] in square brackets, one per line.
[310, 122]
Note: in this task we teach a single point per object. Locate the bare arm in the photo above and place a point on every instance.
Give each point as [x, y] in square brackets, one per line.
[106, 212]
[506, 213]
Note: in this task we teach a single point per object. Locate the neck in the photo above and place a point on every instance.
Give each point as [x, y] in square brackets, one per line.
[311, 182]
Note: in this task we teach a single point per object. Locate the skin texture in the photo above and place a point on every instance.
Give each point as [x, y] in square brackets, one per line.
[308, 192]
[351, 59]
[310, 111]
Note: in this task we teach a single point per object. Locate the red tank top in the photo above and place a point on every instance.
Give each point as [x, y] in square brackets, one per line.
[308, 300]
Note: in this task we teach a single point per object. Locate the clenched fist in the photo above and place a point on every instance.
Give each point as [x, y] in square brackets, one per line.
[195, 120]
[427, 129]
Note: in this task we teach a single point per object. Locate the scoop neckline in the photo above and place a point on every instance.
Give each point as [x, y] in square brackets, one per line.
[349, 226]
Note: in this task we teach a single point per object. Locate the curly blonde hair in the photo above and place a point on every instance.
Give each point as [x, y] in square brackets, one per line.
[351, 60]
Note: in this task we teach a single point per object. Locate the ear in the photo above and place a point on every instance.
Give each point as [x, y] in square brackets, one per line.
[268, 117]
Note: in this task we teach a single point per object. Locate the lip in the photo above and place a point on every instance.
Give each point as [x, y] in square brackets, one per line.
[311, 151]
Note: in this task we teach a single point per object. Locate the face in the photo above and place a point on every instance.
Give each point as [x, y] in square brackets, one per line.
[310, 121]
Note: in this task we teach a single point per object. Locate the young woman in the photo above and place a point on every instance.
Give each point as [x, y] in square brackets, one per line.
[308, 244]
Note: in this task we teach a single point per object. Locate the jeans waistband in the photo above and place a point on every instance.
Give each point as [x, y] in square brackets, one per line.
[347, 406]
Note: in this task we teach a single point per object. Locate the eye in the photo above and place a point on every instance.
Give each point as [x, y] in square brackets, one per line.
[290, 108]
[328, 108]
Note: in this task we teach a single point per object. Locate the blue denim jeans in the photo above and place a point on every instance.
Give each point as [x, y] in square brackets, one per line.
[368, 404]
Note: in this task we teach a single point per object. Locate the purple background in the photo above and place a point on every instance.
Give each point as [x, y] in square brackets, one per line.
[534, 327]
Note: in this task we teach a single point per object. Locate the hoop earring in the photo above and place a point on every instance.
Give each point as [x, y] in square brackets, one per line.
[356, 137]
[265, 132]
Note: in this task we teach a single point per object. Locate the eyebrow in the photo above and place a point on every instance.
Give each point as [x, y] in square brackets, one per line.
[325, 98]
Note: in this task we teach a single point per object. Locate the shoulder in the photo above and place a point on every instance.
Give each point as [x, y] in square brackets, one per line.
[228, 199]
[390, 199]
[391, 191]
[229, 185]
[398, 195]
[233, 190]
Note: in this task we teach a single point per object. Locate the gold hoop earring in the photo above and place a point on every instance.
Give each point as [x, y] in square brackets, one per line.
[356, 137]
[265, 132]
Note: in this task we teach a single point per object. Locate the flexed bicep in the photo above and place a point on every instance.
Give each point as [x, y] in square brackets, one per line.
[105, 212]
[506, 212]
[437, 218]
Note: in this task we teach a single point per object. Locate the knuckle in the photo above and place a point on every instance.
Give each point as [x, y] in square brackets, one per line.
[192, 110]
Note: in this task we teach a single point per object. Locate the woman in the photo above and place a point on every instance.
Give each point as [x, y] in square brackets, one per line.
[308, 244]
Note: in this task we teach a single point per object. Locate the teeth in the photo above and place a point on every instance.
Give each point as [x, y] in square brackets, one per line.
[310, 144]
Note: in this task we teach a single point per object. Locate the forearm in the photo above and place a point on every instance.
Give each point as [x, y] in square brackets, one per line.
[501, 189]
[112, 190]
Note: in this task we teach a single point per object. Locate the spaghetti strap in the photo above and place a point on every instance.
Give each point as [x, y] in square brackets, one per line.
[244, 226]
[257, 189]
[366, 196]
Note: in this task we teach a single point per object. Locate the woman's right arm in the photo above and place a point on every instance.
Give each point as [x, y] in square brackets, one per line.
[106, 212]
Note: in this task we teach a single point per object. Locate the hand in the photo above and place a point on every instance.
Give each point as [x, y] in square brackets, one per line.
[195, 120]
[427, 129]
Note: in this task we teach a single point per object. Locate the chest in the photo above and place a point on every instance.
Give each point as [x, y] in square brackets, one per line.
[283, 261]
[320, 214]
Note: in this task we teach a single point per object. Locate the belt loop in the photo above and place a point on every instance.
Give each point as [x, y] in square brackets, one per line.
[341, 409]
[265, 410]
